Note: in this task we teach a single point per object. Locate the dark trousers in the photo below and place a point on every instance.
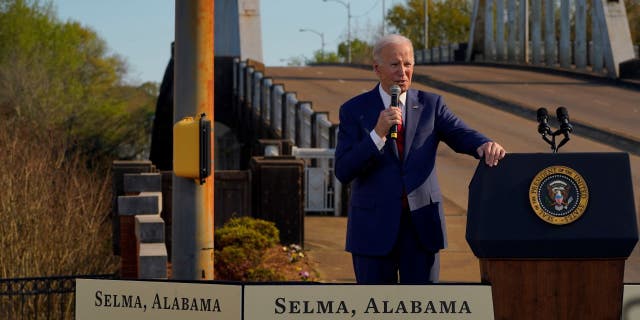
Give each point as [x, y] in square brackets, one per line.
[407, 263]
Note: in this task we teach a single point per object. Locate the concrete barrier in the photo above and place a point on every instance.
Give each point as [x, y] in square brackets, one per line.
[141, 228]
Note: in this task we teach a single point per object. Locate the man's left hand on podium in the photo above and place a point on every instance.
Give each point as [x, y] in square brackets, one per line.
[492, 153]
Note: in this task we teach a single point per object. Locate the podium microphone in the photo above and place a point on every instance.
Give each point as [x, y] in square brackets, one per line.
[563, 119]
[395, 92]
[565, 126]
[543, 121]
[544, 129]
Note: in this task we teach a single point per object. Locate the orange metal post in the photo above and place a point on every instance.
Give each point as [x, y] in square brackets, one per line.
[192, 232]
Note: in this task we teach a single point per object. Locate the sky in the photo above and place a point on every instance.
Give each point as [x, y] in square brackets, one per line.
[141, 31]
[283, 19]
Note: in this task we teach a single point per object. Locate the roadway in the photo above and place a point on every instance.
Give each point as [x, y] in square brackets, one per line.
[594, 103]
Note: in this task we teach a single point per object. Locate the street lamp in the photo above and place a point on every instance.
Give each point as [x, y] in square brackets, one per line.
[426, 24]
[384, 18]
[321, 39]
[348, 6]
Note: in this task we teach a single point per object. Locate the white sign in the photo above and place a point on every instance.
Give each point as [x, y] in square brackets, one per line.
[402, 302]
[119, 300]
[631, 302]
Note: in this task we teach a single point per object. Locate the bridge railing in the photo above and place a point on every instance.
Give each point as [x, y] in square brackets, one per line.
[275, 95]
[322, 130]
[303, 124]
[256, 101]
[454, 53]
[581, 35]
[290, 101]
[440, 54]
[322, 189]
[265, 99]
[274, 112]
[248, 75]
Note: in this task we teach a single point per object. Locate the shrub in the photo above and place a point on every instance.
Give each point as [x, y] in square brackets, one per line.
[233, 263]
[241, 236]
[54, 215]
[54, 210]
[240, 245]
[265, 228]
[264, 274]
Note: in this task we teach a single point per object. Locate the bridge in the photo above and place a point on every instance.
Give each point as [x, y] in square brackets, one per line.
[499, 101]
[496, 82]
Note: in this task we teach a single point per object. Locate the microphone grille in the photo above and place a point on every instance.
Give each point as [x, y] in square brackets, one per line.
[562, 113]
[395, 89]
[542, 113]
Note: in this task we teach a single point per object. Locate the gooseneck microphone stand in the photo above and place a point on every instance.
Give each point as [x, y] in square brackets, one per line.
[550, 136]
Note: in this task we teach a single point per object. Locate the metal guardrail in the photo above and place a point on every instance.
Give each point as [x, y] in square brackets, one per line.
[273, 108]
[303, 124]
[441, 54]
[322, 189]
[574, 38]
[271, 105]
[289, 114]
[276, 92]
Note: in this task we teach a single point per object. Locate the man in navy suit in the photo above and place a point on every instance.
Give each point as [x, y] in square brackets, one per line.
[396, 223]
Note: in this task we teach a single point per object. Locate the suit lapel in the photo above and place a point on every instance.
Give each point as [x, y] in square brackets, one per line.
[371, 109]
[414, 108]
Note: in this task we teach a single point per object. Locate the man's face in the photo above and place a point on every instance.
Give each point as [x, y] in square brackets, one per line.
[395, 67]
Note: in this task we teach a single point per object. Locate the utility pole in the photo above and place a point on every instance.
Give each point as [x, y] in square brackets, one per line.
[192, 221]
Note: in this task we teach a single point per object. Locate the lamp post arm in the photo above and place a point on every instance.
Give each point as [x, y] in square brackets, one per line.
[348, 6]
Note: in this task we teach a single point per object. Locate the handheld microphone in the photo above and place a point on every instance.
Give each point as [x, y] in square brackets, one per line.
[395, 92]
[563, 119]
[543, 121]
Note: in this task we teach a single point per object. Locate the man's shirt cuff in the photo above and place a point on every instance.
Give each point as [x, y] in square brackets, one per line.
[379, 142]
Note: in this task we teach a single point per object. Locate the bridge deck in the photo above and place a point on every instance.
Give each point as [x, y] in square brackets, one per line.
[597, 103]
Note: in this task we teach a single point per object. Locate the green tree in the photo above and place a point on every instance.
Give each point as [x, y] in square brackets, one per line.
[63, 104]
[295, 61]
[449, 21]
[633, 15]
[327, 57]
[60, 75]
[361, 51]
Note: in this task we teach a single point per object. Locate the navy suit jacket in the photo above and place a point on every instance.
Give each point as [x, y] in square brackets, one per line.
[378, 178]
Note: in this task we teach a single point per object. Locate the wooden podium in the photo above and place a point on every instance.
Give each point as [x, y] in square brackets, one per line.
[552, 232]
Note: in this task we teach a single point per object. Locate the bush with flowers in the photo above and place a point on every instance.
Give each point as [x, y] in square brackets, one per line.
[248, 249]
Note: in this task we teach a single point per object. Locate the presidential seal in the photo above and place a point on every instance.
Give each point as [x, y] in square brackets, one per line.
[558, 195]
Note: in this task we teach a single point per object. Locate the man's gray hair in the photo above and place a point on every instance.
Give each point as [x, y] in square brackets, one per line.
[387, 40]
